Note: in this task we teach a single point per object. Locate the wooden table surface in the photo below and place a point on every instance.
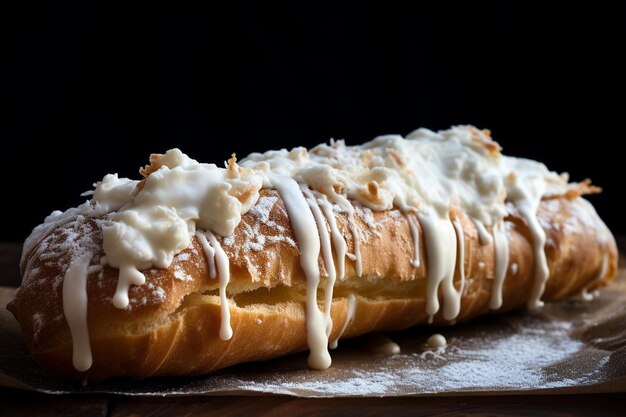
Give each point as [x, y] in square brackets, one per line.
[21, 403]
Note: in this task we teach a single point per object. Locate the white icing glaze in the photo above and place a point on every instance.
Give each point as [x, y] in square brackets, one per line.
[436, 341]
[483, 235]
[542, 271]
[154, 224]
[460, 167]
[460, 237]
[526, 183]
[128, 275]
[209, 252]
[351, 310]
[441, 244]
[215, 254]
[339, 242]
[425, 175]
[75, 310]
[94, 268]
[305, 229]
[501, 249]
[223, 267]
[327, 255]
[114, 192]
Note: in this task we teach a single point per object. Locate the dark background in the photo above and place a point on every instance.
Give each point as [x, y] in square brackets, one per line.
[101, 89]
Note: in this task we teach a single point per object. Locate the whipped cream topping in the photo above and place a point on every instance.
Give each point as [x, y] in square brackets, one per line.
[457, 168]
[428, 175]
[154, 222]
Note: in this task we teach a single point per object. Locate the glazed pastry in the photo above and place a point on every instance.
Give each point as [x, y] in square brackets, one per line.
[196, 267]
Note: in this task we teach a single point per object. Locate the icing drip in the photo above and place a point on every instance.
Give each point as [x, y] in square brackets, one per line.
[327, 254]
[349, 316]
[94, 268]
[209, 252]
[441, 244]
[223, 267]
[129, 275]
[75, 310]
[339, 242]
[356, 237]
[305, 229]
[460, 237]
[483, 235]
[526, 183]
[347, 207]
[144, 225]
[542, 272]
[415, 234]
[501, 249]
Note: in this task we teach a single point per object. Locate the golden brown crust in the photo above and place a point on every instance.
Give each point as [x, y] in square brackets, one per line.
[172, 324]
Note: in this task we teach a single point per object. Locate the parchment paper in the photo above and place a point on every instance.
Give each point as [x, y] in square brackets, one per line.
[570, 346]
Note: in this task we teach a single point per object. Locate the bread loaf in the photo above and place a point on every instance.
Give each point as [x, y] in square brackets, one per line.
[308, 257]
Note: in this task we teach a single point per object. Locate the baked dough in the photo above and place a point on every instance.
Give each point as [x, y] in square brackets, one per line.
[187, 319]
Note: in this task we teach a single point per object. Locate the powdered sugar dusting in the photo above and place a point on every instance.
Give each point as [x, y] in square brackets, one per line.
[180, 274]
[255, 238]
[366, 215]
[53, 222]
[159, 293]
[261, 211]
[515, 358]
[154, 295]
[76, 237]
